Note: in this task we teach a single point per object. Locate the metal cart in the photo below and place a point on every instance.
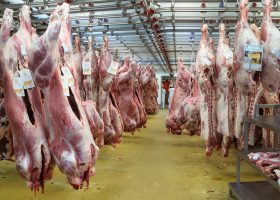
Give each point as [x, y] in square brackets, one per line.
[258, 190]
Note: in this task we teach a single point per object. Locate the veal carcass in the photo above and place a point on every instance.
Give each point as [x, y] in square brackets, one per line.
[89, 76]
[138, 98]
[6, 143]
[90, 73]
[270, 35]
[205, 65]
[78, 59]
[116, 121]
[70, 140]
[103, 96]
[123, 92]
[149, 88]
[224, 91]
[182, 91]
[4, 35]
[26, 112]
[95, 122]
[246, 87]
[188, 114]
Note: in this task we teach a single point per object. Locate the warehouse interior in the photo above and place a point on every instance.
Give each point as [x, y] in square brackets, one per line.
[158, 115]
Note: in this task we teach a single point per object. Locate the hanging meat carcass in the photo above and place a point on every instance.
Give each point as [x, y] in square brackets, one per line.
[78, 59]
[149, 88]
[4, 35]
[116, 121]
[123, 92]
[6, 141]
[188, 114]
[138, 98]
[103, 98]
[270, 35]
[25, 110]
[70, 141]
[90, 91]
[95, 122]
[205, 64]
[224, 91]
[182, 90]
[90, 72]
[246, 86]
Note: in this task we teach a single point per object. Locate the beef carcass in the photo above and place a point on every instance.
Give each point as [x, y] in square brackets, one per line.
[6, 143]
[246, 86]
[123, 92]
[26, 114]
[205, 64]
[182, 90]
[270, 35]
[224, 91]
[70, 141]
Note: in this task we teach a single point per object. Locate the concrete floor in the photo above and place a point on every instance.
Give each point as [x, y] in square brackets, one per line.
[149, 165]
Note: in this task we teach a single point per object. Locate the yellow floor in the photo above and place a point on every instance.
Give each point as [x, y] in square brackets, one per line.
[151, 165]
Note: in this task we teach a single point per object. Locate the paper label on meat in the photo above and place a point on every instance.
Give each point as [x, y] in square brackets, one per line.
[23, 50]
[276, 52]
[18, 86]
[65, 86]
[27, 79]
[65, 48]
[86, 68]
[113, 68]
[252, 60]
[66, 72]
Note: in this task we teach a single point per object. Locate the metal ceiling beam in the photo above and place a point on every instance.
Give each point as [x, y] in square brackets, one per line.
[174, 28]
[152, 39]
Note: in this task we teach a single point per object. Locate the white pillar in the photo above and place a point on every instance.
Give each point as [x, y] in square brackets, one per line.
[159, 80]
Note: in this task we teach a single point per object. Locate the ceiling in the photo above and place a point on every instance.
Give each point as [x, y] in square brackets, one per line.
[129, 28]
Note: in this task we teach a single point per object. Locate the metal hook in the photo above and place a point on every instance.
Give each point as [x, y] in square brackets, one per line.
[203, 20]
